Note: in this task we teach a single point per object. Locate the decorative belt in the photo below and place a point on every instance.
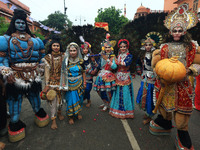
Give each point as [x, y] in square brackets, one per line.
[24, 67]
[123, 76]
[74, 78]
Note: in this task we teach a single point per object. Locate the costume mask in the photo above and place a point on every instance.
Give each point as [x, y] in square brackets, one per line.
[20, 25]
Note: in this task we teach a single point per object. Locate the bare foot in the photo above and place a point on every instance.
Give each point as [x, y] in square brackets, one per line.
[79, 117]
[60, 116]
[147, 120]
[88, 104]
[2, 146]
[54, 125]
[71, 121]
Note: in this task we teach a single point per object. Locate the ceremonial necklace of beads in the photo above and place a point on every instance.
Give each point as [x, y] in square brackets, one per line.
[24, 37]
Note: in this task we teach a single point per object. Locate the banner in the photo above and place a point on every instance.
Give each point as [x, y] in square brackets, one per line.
[102, 25]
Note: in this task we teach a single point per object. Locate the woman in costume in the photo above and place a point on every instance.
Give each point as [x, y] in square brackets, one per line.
[53, 62]
[105, 81]
[91, 68]
[178, 99]
[122, 103]
[20, 65]
[145, 93]
[73, 81]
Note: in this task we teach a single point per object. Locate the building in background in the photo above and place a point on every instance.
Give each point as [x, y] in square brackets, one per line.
[193, 5]
[143, 11]
[169, 5]
[7, 8]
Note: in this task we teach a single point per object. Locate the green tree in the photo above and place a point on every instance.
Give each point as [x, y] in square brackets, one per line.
[57, 20]
[38, 34]
[3, 25]
[113, 17]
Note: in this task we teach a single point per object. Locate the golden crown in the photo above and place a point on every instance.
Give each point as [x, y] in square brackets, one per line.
[181, 17]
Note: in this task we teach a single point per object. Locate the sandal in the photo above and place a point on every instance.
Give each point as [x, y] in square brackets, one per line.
[101, 106]
[105, 108]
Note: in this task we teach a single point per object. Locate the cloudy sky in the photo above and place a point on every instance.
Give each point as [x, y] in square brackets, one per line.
[86, 9]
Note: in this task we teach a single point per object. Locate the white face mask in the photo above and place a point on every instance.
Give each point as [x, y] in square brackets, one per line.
[20, 25]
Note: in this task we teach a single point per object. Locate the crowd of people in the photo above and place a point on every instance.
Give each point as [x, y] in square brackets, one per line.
[69, 76]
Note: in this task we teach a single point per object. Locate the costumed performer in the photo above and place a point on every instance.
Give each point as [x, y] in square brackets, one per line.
[53, 62]
[91, 68]
[122, 103]
[73, 81]
[144, 69]
[105, 81]
[20, 65]
[178, 98]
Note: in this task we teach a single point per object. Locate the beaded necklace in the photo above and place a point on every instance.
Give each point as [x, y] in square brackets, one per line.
[23, 37]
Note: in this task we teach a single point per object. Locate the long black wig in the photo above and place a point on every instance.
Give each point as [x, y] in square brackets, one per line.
[18, 14]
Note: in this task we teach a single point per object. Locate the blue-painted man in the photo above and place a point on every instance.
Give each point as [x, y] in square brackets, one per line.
[20, 66]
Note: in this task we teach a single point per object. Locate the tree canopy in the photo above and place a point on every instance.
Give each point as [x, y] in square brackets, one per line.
[57, 20]
[92, 35]
[3, 25]
[112, 16]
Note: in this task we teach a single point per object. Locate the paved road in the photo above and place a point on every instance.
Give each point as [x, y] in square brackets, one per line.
[97, 131]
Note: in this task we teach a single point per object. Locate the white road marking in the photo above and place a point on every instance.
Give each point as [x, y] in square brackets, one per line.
[130, 135]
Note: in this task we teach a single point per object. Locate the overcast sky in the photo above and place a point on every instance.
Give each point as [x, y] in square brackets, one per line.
[86, 9]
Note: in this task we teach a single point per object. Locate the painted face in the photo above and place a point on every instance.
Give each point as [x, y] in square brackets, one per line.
[177, 32]
[55, 47]
[123, 47]
[20, 25]
[73, 52]
[85, 50]
[107, 48]
[148, 47]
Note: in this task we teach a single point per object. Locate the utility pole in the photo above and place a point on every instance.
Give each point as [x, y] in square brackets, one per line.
[80, 19]
[65, 8]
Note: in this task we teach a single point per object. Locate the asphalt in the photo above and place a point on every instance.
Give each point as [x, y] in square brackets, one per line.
[96, 131]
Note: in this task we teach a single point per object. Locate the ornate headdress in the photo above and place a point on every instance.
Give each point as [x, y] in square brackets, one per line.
[123, 40]
[181, 17]
[73, 44]
[111, 43]
[85, 44]
[154, 38]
